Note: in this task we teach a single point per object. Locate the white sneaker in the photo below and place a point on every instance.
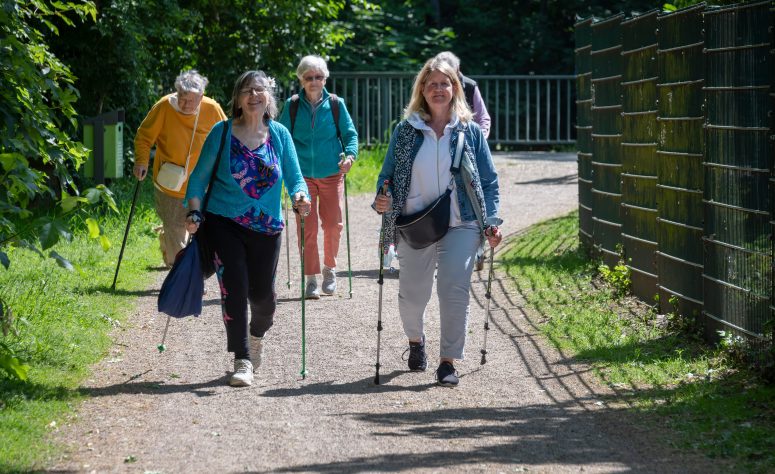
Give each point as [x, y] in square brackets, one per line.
[311, 292]
[256, 351]
[329, 280]
[243, 373]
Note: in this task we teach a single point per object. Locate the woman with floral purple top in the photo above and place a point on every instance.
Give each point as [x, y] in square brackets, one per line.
[244, 217]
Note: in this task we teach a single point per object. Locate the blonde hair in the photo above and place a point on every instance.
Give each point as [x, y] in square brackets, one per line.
[417, 102]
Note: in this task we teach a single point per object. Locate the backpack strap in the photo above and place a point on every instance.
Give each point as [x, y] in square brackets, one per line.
[334, 110]
[293, 111]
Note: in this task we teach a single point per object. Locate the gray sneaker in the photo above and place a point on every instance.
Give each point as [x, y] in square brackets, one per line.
[329, 280]
[256, 351]
[243, 373]
[311, 292]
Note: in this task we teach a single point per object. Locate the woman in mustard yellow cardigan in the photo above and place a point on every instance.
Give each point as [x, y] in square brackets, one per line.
[177, 126]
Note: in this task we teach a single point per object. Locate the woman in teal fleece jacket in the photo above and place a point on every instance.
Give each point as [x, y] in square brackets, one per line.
[324, 161]
[244, 219]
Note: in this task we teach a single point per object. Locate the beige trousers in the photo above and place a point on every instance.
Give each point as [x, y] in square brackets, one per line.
[173, 235]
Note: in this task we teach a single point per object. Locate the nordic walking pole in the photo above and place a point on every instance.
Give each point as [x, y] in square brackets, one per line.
[347, 230]
[161, 346]
[381, 282]
[347, 224]
[488, 295]
[303, 319]
[126, 232]
[287, 245]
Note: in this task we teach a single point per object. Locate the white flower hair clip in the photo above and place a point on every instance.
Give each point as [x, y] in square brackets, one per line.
[270, 82]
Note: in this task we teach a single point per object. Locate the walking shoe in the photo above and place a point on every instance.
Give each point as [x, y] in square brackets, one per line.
[418, 361]
[256, 351]
[311, 292]
[446, 375]
[243, 373]
[329, 280]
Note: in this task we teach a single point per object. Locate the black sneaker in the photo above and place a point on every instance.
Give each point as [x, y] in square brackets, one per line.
[418, 361]
[446, 375]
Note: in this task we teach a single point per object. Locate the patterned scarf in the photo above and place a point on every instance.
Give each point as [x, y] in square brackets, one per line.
[408, 142]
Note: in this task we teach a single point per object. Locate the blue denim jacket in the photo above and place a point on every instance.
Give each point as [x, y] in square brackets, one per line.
[488, 176]
[476, 145]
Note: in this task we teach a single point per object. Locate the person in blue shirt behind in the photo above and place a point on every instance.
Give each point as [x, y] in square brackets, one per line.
[244, 220]
[324, 161]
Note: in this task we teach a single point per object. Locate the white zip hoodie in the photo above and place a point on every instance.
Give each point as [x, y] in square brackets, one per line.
[430, 172]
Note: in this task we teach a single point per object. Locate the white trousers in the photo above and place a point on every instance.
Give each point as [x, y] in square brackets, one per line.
[454, 255]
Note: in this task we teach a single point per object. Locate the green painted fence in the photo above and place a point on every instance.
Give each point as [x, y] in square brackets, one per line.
[681, 158]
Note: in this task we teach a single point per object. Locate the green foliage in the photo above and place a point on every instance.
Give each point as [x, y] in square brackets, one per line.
[142, 45]
[61, 323]
[38, 157]
[395, 35]
[618, 277]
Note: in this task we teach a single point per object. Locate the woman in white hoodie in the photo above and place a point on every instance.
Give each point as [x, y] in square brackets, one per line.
[418, 170]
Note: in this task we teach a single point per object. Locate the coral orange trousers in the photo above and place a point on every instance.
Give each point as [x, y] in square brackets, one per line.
[326, 196]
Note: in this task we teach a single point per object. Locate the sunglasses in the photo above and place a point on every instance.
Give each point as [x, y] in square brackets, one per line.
[314, 78]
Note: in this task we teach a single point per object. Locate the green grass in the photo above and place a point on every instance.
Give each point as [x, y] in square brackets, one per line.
[676, 380]
[362, 177]
[62, 321]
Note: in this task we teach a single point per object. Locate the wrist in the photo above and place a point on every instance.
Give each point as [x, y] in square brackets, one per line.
[195, 216]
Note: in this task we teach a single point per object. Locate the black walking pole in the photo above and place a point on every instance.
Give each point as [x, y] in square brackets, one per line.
[126, 232]
[488, 295]
[380, 281]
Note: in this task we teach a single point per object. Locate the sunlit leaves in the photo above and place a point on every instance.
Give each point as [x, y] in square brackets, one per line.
[93, 227]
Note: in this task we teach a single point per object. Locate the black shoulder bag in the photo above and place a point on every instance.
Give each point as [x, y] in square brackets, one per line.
[428, 226]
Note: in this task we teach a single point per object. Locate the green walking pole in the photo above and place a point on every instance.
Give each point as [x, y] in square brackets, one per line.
[347, 230]
[303, 319]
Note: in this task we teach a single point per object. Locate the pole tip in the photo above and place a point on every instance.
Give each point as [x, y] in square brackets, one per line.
[484, 357]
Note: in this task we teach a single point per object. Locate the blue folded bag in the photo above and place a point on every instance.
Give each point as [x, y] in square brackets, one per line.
[181, 292]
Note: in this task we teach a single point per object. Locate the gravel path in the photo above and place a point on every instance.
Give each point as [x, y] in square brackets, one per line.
[529, 408]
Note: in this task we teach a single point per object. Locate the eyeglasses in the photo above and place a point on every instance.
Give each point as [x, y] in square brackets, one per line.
[252, 90]
[314, 78]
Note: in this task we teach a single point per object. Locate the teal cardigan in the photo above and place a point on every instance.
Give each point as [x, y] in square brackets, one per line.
[227, 198]
[315, 136]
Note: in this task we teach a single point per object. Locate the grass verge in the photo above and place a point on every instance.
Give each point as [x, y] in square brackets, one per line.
[62, 322]
[711, 406]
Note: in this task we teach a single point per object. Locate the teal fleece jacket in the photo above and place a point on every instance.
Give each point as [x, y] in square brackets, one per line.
[227, 198]
[315, 136]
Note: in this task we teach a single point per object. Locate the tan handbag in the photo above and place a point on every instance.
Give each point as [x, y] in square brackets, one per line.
[171, 176]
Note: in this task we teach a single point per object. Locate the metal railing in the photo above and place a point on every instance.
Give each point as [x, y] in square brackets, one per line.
[529, 110]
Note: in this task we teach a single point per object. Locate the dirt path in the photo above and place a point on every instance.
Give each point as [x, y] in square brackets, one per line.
[527, 409]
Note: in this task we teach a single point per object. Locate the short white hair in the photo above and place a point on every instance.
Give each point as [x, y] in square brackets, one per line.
[311, 62]
[191, 81]
[450, 58]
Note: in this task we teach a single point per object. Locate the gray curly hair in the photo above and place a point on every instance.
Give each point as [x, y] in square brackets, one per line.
[191, 81]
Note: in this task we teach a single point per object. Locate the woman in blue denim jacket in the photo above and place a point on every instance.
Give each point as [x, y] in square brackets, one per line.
[418, 169]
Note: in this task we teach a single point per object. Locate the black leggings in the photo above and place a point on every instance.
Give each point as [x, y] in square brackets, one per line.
[246, 263]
